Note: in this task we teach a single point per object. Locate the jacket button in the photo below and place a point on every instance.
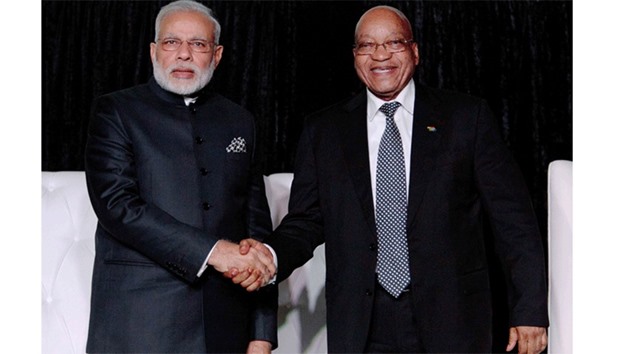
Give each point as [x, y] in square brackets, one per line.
[204, 171]
[206, 206]
[372, 247]
[368, 292]
[199, 140]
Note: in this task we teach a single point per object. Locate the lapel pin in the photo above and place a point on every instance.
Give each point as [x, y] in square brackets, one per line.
[431, 128]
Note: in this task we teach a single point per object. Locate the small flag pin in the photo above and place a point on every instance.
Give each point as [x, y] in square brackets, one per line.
[431, 128]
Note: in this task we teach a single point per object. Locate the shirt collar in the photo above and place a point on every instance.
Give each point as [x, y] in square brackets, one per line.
[189, 100]
[406, 99]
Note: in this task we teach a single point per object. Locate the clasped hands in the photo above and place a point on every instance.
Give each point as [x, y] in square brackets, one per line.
[249, 263]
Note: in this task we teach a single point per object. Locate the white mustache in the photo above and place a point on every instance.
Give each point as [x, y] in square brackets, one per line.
[183, 67]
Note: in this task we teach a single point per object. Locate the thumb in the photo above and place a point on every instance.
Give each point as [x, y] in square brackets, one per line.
[244, 247]
[512, 339]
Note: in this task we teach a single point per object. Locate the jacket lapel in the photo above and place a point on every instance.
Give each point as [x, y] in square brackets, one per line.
[427, 130]
[427, 133]
[354, 141]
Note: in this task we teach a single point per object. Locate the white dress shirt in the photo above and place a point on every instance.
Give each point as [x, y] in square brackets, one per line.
[376, 126]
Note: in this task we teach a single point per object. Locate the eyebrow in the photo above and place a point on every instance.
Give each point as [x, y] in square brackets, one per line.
[389, 37]
[172, 35]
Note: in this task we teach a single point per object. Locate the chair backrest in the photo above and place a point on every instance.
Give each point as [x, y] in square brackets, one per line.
[560, 241]
[68, 251]
[302, 309]
[277, 189]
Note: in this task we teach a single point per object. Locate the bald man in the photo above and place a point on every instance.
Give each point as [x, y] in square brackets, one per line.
[396, 182]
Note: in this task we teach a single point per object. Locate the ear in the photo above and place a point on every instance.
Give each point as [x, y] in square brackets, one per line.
[153, 52]
[217, 54]
[416, 56]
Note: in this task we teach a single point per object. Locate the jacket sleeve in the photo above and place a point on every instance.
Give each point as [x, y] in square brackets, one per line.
[301, 230]
[516, 233]
[266, 309]
[113, 188]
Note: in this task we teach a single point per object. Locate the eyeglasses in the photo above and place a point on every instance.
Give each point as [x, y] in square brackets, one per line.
[195, 45]
[392, 46]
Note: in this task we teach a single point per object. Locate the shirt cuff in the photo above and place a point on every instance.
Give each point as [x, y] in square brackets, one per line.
[205, 265]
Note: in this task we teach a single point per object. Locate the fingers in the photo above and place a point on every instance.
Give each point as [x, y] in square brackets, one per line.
[264, 254]
[259, 246]
[255, 275]
[512, 339]
[536, 340]
[531, 340]
[226, 257]
[253, 282]
[262, 262]
[259, 347]
[244, 246]
[266, 259]
[250, 279]
[231, 273]
[249, 263]
[242, 276]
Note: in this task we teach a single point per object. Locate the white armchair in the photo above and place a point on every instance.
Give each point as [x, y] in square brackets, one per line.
[68, 251]
[560, 241]
[302, 299]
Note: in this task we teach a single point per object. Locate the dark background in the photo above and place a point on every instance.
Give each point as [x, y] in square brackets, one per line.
[285, 59]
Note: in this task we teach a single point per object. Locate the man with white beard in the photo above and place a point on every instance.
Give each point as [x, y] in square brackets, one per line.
[172, 177]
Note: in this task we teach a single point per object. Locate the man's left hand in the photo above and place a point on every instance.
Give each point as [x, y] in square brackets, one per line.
[531, 340]
[259, 347]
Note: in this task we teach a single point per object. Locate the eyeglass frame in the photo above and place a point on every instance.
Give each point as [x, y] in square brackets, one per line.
[401, 41]
[210, 46]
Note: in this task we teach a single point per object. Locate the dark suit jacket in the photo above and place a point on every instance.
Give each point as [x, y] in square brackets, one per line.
[460, 169]
[165, 189]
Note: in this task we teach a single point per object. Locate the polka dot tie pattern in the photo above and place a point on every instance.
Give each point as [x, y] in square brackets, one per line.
[391, 204]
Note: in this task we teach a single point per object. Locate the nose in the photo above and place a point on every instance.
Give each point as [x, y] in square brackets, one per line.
[184, 53]
[381, 53]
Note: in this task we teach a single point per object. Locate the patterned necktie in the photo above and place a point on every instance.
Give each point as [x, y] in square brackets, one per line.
[393, 256]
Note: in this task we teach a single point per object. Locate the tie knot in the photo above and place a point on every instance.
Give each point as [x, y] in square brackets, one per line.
[389, 108]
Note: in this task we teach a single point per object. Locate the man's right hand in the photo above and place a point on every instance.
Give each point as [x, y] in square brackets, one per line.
[246, 278]
[247, 266]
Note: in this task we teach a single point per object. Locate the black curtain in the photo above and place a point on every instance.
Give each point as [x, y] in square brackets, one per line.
[285, 59]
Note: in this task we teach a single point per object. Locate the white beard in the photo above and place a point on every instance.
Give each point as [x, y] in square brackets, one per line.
[182, 87]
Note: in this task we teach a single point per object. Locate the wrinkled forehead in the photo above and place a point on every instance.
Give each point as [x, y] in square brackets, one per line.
[187, 23]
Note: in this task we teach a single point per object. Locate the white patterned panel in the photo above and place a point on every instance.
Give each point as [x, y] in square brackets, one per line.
[560, 199]
[68, 227]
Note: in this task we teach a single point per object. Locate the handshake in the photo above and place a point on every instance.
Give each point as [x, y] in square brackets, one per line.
[249, 263]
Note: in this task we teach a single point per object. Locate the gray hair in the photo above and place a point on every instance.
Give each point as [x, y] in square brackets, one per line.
[187, 5]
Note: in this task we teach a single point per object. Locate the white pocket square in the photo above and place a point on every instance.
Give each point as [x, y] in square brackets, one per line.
[236, 145]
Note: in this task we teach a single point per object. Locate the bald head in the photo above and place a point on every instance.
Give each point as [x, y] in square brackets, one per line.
[384, 11]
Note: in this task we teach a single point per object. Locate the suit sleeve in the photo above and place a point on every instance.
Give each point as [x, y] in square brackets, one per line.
[265, 312]
[114, 192]
[517, 236]
[301, 230]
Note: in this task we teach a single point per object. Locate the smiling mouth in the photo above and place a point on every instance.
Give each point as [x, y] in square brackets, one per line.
[382, 70]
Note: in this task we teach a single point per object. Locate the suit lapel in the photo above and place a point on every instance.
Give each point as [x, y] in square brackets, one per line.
[354, 141]
[427, 130]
